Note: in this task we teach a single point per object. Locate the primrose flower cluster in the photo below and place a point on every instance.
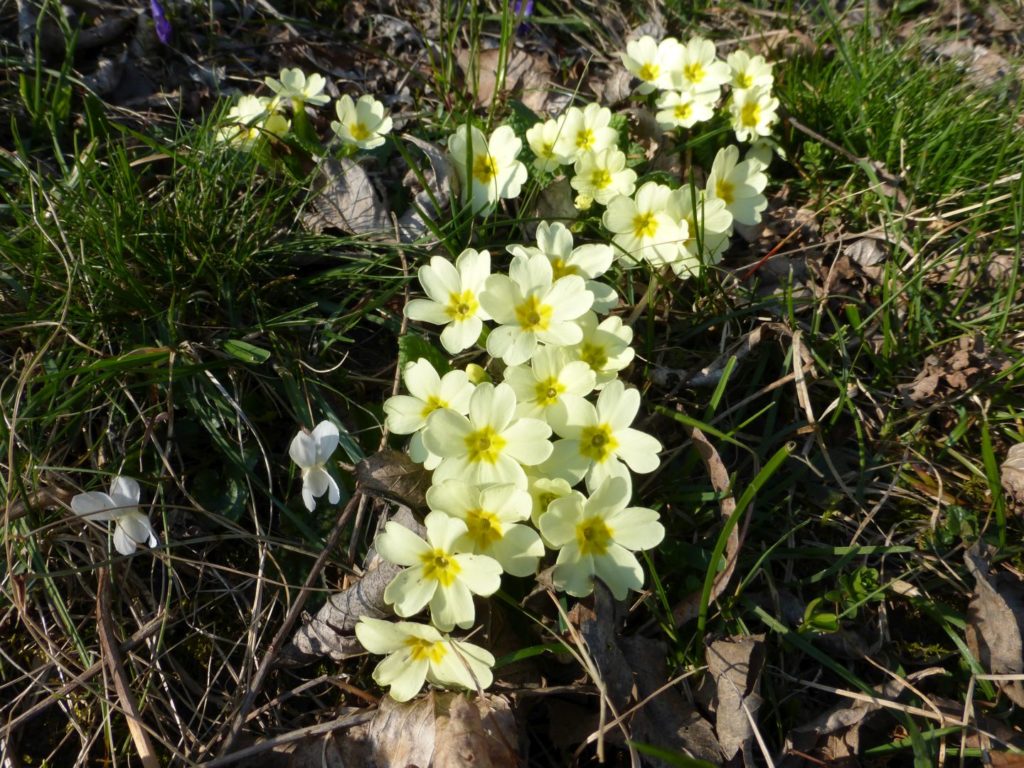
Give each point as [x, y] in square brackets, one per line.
[534, 457]
[361, 124]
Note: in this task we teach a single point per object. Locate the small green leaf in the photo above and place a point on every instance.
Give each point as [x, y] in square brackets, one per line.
[412, 347]
[246, 352]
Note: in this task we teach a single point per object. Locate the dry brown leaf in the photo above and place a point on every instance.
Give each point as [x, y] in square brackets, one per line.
[995, 622]
[345, 199]
[526, 73]
[1011, 474]
[963, 364]
[435, 198]
[735, 665]
[435, 731]
[393, 476]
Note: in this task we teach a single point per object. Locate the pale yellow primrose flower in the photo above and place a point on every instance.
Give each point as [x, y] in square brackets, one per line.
[295, 86]
[251, 119]
[454, 301]
[740, 185]
[605, 346]
[590, 261]
[544, 490]
[698, 70]
[597, 439]
[131, 527]
[709, 219]
[684, 109]
[642, 227]
[542, 139]
[753, 112]
[310, 451]
[603, 175]
[417, 653]
[361, 123]
[551, 377]
[436, 572]
[487, 167]
[749, 71]
[531, 307]
[491, 445]
[493, 515]
[651, 62]
[596, 538]
[407, 414]
[586, 130]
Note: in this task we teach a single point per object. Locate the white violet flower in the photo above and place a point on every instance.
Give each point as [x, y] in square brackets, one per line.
[310, 451]
[131, 526]
[437, 573]
[417, 653]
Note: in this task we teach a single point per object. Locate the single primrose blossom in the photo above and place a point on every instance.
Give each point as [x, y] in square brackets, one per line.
[605, 346]
[121, 504]
[362, 123]
[418, 653]
[493, 515]
[603, 175]
[596, 538]
[739, 184]
[642, 227]
[596, 439]
[749, 71]
[251, 119]
[684, 109]
[487, 167]
[542, 139]
[551, 377]
[753, 112]
[428, 391]
[589, 261]
[454, 298]
[310, 451]
[651, 62]
[709, 225]
[544, 490]
[491, 445]
[586, 130]
[436, 572]
[531, 308]
[298, 88]
[698, 70]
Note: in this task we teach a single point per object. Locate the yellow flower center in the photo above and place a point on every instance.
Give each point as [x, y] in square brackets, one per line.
[585, 139]
[594, 355]
[559, 269]
[593, 536]
[420, 650]
[750, 115]
[484, 445]
[484, 168]
[645, 225]
[533, 315]
[649, 72]
[547, 149]
[600, 178]
[358, 131]
[546, 498]
[724, 190]
[431, 404]
[546, 392]
[694, 72]
[598, 443]
[683, 111]
[440, 566]
[484, 528]
[461, 306]
[744, 80]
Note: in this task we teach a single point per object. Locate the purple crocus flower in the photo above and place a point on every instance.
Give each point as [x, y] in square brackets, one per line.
[523, 10]
[163, 26]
